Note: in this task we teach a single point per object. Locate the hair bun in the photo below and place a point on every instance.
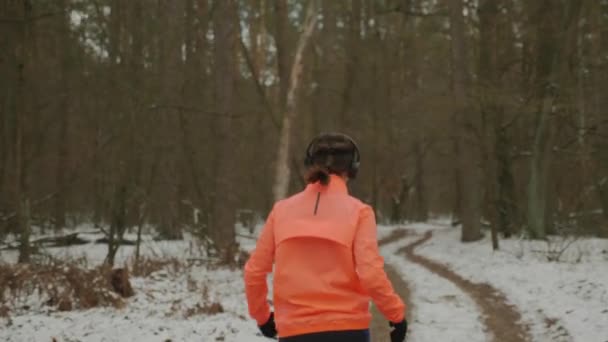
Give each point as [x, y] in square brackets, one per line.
[318, 173]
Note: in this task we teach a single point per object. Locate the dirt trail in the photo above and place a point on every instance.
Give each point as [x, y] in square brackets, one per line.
[501, 319]
[379, 328]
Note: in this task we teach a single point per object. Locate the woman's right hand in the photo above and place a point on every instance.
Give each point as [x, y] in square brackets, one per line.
[269, 328]
[399, 331]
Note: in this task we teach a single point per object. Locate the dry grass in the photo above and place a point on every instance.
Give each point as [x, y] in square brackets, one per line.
[63, 285]
[205, 309]
[70, 285]
[206, 306]
[146, 266]
[4, 311]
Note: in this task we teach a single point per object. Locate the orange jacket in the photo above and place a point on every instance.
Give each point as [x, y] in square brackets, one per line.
[327, 264]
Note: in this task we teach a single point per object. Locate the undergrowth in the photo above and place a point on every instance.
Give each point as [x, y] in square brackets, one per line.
[62, 285]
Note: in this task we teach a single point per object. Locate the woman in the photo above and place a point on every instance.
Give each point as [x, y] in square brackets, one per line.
[323, 245]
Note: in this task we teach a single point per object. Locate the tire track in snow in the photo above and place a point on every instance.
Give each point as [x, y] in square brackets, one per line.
[379, 327]
[442, 311]
[501, 318]
[380, 330]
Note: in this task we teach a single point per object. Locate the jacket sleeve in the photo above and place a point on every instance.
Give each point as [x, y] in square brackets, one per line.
[370, 268]
[257, 268]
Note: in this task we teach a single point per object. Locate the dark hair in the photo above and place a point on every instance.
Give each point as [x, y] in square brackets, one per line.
[317, 173]
[330, 153]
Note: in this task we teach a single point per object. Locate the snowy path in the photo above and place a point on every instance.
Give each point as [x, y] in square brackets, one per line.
[516, 293]
[559, 302]
[501, 319]
[562, 301]
[440, 310]
[379, 328]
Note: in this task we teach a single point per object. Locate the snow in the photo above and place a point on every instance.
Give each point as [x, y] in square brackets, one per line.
[442, 312]
[94, 253]
[158, 312]
[163, 309]
[560, 301]
[574, 291]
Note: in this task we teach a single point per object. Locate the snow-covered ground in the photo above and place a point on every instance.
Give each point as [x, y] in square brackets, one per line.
[574, 291]
[95, 254]
[163, 309]
[168, 304]
[442, 312]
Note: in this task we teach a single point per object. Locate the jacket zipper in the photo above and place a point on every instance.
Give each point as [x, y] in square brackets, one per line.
[317, 203]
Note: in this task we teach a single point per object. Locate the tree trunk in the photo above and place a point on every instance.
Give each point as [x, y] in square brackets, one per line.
[400, 201]
[596, 102]
[223, 217]
[457, 179]
[539, 162]
[468, 161]
[25, 226]
[64, 121]
[117, 209]
[555, 40]
[492, 112]
[375, 108]
[5, 134]
[282, 45]
[118, 225]
[257, 38]
[507, 210]
[602, 193]
[352, 64]
[282, 168]
[140, 227]
[21, 118]
[422, 211]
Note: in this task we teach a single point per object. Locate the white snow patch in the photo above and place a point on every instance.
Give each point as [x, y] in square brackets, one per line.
[161, 310]
[158, 312]
[442, 312]
[574, 291]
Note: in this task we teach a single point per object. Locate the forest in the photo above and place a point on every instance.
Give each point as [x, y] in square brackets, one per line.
[190, 115]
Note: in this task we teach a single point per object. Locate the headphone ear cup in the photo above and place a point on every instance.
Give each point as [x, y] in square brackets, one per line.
[354, 170]
[355, 163]
[308, 161]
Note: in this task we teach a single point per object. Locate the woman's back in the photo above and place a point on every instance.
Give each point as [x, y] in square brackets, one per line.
[327, 266]
[315, 279]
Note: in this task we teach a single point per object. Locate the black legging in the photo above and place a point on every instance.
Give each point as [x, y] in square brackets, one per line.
[331, 336]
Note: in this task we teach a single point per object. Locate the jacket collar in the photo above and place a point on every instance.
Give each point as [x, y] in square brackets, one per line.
[336, 185]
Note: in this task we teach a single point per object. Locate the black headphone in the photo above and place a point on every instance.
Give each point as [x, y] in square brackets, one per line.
[355, 161]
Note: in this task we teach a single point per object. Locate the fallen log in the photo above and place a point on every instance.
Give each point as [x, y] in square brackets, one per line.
[61, 241]
[123, 242]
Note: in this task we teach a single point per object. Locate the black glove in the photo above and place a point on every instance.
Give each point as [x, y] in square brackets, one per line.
[269, 329]
[399, 331]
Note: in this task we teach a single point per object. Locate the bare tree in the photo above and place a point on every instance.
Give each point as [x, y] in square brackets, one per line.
[64, 118]
[224, 204]
[549, 61]
[492, 112]
[22, 12]
[291, 111]
[118, 201]
[468, 163]
[152, 109]
[282, 45]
